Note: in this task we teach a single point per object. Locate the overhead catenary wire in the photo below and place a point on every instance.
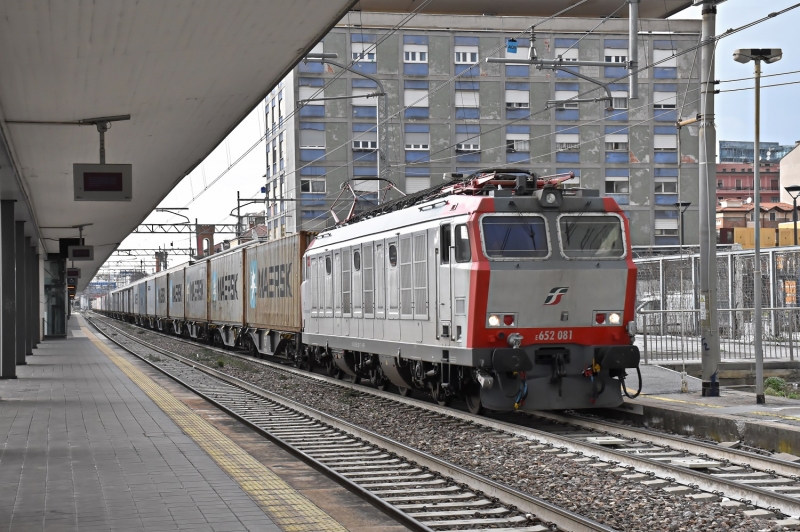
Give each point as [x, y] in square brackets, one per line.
[713, 39]
[382, 38]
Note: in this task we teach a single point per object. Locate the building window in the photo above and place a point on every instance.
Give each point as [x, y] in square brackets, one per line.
[738, 184]
[363, 52]
[565, 54]
[659, 55]
[772, 217]
[517, 99]
[415, 53]
[619, 101]
[665, 142]
[362, 96]
[417, 141]
[312, 138]
[666, 186]
[415, 98]
[466, 55]
[719, 183]
[617, 181]
[365, 145]
[774, 199]
[310, 95]
[614, 55]
[560, 96]
[468, 99]
[517, 142]
[616, 146]
[467, 142]
[568, 142]
[666, 232]
[665, 100]
[312, 186]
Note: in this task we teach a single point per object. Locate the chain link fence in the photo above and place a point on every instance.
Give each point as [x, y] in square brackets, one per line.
[668, 316]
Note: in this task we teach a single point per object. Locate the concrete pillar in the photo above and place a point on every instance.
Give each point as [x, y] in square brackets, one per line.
[8, 333]
[31, 306]
[21, 290]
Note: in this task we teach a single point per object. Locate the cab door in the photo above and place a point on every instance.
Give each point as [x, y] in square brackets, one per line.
[444, 293]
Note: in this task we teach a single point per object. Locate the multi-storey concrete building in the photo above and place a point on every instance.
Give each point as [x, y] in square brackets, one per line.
[451, 111]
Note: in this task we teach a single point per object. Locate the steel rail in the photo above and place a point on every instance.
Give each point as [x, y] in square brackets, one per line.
[546, 511]
[757, 461]
[706, 482]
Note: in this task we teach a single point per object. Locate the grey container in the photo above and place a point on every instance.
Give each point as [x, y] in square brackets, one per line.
[225, 288]
[195, 290]
[175, 293]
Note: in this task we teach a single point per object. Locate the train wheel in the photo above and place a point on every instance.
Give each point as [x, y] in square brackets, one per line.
[405, 392]
[377, 379]
[472, 396]
[332, 369]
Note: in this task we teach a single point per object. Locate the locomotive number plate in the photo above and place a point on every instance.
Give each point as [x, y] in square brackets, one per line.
[552, 334]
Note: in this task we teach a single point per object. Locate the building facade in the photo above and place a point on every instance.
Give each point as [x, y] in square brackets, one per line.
[448, 110]
[735, 182]
[740, 151]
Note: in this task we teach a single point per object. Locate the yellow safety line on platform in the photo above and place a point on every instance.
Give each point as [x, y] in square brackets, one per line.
[770, 414]
[670, 400]
[290, 510]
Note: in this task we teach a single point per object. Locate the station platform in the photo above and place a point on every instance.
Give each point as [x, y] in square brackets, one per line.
[91, 438]
[734, 416]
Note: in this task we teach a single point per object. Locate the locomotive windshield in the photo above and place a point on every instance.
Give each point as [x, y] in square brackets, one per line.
[591, 237]
[514, 237]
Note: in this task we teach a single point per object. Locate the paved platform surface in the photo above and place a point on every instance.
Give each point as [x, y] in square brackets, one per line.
[91, 439]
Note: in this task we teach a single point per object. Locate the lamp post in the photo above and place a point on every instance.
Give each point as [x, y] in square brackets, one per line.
[682, 206]
[757, 55]
[794, 191]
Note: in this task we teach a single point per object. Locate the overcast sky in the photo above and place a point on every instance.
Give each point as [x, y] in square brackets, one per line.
[734, 121]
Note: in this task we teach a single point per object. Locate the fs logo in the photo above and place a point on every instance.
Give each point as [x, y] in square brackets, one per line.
[554, 297]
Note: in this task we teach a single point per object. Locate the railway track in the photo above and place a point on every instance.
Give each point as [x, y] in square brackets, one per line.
[420, 490]
[681, 466]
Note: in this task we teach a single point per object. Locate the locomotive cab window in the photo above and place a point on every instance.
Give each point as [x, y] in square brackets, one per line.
[328, 265]
[357, 261]
[444, 243]
[591, 237]
[392, 255]
[463, 253]
[515, 237]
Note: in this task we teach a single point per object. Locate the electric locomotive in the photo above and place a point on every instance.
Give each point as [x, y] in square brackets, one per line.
[501, 287]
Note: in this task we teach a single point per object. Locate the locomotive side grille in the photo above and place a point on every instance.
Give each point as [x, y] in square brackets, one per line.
[346, 281]
[420, 276]
[405, 276]
[369, 288]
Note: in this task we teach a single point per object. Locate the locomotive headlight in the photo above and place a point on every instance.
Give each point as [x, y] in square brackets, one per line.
[614, 319]
[550, 198]
[494, 320]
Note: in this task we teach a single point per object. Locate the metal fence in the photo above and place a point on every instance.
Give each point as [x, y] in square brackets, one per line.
[667, 316]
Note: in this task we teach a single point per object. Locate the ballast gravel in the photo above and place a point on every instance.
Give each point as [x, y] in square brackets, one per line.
[616, 502]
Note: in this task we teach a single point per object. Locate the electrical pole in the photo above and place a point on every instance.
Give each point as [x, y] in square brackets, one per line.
[709, 324]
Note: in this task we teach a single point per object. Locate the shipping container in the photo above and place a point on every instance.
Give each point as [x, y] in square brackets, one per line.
[150, 307]
[176, 294]
[140, 298]
[225, 280]
[195, 286]
[161, 300]
[274, 274]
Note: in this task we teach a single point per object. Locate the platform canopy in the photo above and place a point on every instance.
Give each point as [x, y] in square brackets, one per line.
[187, 72]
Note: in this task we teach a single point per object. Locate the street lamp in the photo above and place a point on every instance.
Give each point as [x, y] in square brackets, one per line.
[796, 190]
[757, 55]
[682, 206]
